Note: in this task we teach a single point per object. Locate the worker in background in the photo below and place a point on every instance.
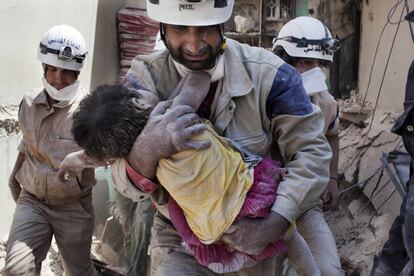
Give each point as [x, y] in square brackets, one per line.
[47, 207]
[397, 255]
[307, 44]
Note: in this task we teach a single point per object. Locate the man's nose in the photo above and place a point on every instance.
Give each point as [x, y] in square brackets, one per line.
[195, 40]
[59, 77]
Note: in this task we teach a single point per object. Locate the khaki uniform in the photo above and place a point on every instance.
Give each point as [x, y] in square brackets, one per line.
[312, 224]
[46, 206]
[239, 112]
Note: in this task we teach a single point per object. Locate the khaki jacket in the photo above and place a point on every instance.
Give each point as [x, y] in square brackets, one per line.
[239, 113]
[329, 107]
[47, 139]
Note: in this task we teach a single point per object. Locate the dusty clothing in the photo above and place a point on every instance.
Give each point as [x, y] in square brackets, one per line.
[48, 207]
[312, 225]
[136, 219]
[210, 186]
[397, 255]
[47, 139]
[34, 224]
[315, 231]
[259, 100]
[260, 104]
[260, 197]
[168, 257]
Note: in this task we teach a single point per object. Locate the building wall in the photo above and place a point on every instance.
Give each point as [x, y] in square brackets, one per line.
[374, 16]
[22, 24]
[105, 64]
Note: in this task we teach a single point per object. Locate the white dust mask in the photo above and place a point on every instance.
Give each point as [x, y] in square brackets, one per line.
[66, 94]
[314, 81]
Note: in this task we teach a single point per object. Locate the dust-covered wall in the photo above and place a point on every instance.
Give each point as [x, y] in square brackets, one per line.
[22, 24]
[374, 17]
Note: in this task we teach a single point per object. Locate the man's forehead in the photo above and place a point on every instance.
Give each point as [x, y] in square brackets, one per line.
[48, 66]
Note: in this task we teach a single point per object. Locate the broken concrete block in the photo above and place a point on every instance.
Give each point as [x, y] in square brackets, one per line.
[243, 24]
[355, 207]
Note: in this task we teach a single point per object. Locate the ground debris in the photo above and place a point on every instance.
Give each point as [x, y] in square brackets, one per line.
[9, 126]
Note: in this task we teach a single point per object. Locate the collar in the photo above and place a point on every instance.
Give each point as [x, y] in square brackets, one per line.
[236, 81]
[41, 98]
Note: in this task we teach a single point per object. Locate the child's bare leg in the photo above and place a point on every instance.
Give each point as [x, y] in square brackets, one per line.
[300, 255]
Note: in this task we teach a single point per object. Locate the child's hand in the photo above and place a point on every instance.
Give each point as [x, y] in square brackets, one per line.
[76, 161]
[72, 164]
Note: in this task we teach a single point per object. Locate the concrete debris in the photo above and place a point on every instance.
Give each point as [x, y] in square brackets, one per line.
[9, 126]
[354, 110]
[243, 24]
[8, 120]
[361, 222]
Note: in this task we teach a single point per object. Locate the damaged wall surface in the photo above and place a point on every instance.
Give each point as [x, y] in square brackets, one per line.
[374, 18]
[23, 23]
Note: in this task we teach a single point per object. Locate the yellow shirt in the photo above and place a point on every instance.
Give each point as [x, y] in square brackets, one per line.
[209, 185]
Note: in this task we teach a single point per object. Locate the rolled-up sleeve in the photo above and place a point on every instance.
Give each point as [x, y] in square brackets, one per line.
[297, 125]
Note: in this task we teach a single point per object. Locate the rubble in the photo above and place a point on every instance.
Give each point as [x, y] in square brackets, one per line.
[243, 24]
[368, 203]
[354, 109]
[8, 120]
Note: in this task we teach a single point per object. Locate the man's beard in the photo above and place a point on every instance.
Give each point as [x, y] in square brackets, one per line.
[206, 64]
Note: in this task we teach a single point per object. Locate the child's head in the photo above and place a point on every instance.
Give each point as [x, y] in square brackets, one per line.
[108, 121]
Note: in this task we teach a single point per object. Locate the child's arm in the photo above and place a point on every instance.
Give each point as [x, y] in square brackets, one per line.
[192, 89]
[75, 162]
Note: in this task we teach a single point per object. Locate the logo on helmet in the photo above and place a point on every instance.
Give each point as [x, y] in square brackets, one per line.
[185, 7]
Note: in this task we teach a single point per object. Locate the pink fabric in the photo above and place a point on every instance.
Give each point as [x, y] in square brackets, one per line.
[142, 183]
[259, 199]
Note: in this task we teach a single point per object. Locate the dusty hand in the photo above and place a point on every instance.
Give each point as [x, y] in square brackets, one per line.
[15, 188]
[74, 163]
[330, 195]
[252, 235]
[166, 133]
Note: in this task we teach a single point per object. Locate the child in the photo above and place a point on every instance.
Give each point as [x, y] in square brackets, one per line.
[209, 189]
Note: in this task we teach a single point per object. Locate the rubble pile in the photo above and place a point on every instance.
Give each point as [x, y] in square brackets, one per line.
[367, 205]
[354, 109]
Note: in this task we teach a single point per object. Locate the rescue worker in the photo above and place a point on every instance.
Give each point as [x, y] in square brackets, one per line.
[45, 206]
[255, 99]
[397, 255]
[307, 44]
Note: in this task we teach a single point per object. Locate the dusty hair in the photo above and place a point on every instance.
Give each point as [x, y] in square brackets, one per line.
[107, 123]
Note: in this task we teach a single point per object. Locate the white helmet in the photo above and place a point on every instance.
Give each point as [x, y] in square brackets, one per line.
[190, 12]
[64, 47]
[307, 37]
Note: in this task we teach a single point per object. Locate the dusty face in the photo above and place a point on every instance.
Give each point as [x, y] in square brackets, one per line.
[59, 78]
[305, 64]
[194, 47]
